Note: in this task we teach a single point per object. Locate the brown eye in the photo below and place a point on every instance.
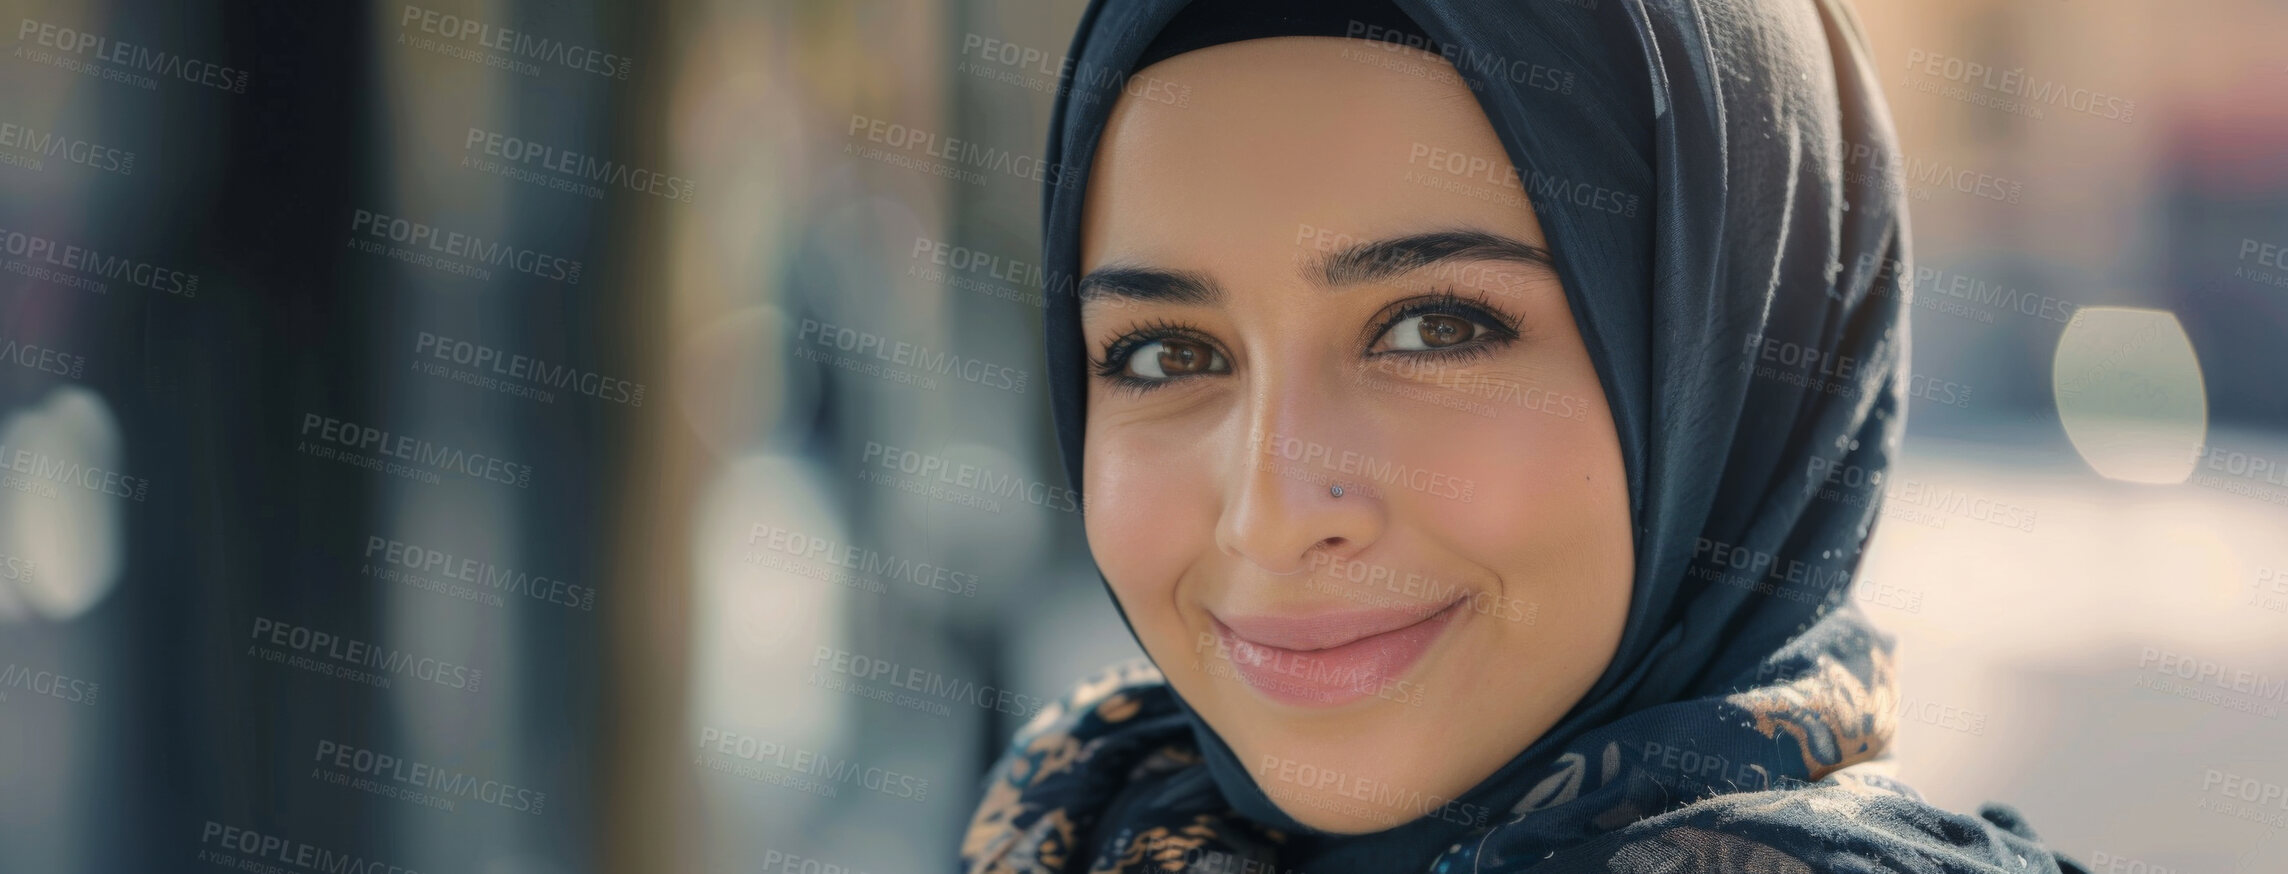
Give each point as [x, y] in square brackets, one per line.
[1439, 330]
[1184, 356]
[1435, 331]
[1453, 327]
[1174, 357]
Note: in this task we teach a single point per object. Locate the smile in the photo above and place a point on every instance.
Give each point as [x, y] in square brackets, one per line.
[1330, 659]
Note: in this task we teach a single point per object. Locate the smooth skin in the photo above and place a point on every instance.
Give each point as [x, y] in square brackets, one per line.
[1446, 385]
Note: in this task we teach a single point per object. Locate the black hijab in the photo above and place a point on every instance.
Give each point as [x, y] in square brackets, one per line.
[1718, 181]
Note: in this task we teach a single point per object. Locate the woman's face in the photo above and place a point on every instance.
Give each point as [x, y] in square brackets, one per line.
[1314, 267]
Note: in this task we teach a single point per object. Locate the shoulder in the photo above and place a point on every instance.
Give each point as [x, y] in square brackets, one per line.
[1098, 704]
[1061, 768]
[1852, 822]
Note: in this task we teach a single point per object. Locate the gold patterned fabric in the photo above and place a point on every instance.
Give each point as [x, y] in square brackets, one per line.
[1785, 777]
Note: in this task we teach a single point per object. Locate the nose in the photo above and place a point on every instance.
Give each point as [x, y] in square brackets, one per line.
[1279, 506]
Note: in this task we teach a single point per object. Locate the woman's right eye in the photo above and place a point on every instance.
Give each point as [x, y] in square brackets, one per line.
[1173, 357]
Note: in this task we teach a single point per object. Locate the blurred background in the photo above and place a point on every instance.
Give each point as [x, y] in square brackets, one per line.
[449, 435]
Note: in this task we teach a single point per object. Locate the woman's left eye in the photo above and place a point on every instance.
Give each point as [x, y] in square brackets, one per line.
[1431, 331]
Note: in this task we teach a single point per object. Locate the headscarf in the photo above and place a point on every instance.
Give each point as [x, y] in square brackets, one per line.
[1746, 321]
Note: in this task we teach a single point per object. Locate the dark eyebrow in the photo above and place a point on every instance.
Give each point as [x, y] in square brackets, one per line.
[1148, 284]
[1363, 262]
[1383, 259]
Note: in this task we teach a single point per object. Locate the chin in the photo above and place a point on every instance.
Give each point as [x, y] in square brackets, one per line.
[1342, 759]
[1350, 785]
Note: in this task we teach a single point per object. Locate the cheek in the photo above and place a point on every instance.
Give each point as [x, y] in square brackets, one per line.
[1150, 513]
[1549, 516]
[1548, 507]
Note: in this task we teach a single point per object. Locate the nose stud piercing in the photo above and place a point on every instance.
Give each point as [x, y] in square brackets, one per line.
[1337, 491]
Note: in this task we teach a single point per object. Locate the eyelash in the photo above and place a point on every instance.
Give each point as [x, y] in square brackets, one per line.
[1113, 367]
[1501, 330]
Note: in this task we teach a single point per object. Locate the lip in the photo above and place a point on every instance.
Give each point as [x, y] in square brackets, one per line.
[1330, 659]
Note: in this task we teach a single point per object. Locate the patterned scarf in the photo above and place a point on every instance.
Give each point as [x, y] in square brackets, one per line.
[1783, 778]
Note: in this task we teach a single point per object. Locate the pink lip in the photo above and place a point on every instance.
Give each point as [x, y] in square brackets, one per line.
[1330, 659]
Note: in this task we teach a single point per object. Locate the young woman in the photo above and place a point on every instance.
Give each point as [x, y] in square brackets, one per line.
[1481, 409]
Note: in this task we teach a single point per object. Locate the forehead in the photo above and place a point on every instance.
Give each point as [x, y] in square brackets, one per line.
[1281, 142]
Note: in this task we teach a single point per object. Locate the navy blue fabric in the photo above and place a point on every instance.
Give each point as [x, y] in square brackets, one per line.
[1719, 183]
